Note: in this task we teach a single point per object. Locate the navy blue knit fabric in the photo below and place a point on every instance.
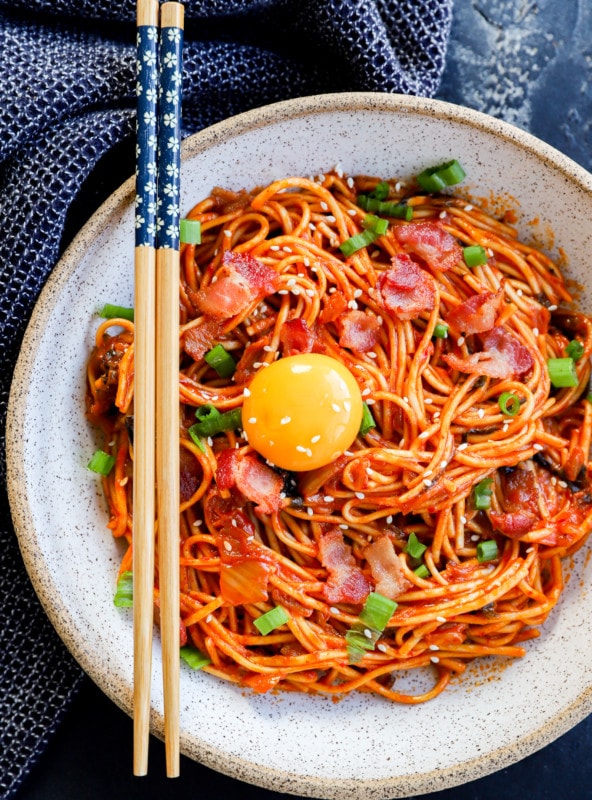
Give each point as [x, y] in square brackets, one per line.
[67, 106]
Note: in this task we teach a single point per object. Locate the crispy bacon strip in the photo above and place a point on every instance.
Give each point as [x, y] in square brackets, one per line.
[255, 480]
[358, 330]
[239, 281]
[386, 568]
[406, 289]
[431, 242]
[477, 314]
[346, 582]
[503, 356]
[296, 337]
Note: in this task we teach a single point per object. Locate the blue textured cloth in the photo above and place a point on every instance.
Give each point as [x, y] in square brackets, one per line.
[67, 114]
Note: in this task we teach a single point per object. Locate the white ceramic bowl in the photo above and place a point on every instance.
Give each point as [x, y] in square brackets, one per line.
[361, 747]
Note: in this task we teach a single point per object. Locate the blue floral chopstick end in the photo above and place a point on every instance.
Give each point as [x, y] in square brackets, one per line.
[146, 134]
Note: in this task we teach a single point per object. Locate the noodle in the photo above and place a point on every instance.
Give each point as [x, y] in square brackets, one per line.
[440, 430]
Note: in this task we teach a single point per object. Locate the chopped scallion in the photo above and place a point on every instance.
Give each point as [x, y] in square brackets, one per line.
[474, 255]
[357, 242]
[124, 594]
[509, 404]
[422, 571]
[271, 620]
[376, 224]
[441, 331]
[482, 492]
[220, 360]
[434, 179]
[101, 462]
[368, 421]
[387, 208]
[380, 191]
[562, 372]
[109, 311]
[377, 611]
[487, 551]
[216, 422]
[414, 547]
[194, 657]
[190, 232]
[574, 349]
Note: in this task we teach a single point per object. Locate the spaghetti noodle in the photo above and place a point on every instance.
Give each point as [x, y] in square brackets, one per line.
[465, 486]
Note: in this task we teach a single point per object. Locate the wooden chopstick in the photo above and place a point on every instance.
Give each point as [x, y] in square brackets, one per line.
[156, 389]
[167, 366]
[144, 378]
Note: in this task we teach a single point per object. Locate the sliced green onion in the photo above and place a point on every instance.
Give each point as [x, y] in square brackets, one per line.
[376, 224]
[482, 494]
[414, 547]
[221, 361]
[357, 242]
[196, 439]
[109, 311]
[562, 372]
[368, 421]
[101, 462]
[487, 551]
[434, 179]
[194, 657]
[271, 620]
[474, 255]
[377, 611]
[380, 191]
[387, 208]
[422, 571]
[124, 594]
[190, 232]
[509, 404]
[216, 423]
[574, 349]
[440, 331]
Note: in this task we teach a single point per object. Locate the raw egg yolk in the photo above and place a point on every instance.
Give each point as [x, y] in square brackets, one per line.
[302, 411]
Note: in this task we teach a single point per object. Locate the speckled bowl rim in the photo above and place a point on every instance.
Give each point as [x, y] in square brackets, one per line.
[306, 785]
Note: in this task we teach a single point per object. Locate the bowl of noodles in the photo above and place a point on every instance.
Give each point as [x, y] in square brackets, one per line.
[385, 427]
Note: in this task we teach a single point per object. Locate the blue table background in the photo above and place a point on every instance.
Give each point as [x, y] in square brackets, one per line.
[529, 63]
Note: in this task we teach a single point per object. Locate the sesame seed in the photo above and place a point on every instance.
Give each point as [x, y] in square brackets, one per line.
[554, 481]
[381, 647]
[111, 443]
[333, 610]
[324, 206]
[282, 291]
[405, 399]
[553, 308]
[309, 511]
[428, 472]
[427, 482]
[287, 249]
[443, 464]
[360, 495]
[436, 415]
[378, 318]
[440, 619]
[468, 207]
[463, 446]
[330, 218]
[197, 523]
[348, 453]
[463, 519]
[370, 402]
[306, 263]
[291, 282]
[210, 441]
[434, 647]
[352, 304]
[460, 341]
[227, 233]
[310, 292]
[367, 633]
[422, 435]
[123, 481]
[366, 392]
[274, 247]
[306, 450]
[505, 426]
[442, 214]
[295, 291]
[350, 182]
[336, 408]
[358, 293]
[428, 400]
[563, 484]
[209, 618]
[389, 519]
[328, 498]
[434, 659]
[227, 545]
[481, 413]
[285, 420]
[344, 527]
[268, 348]
[352, 212]
[371, 354]
[535, 331]
[519, 292]
[475, 537]
[537, 446]
[257, 364]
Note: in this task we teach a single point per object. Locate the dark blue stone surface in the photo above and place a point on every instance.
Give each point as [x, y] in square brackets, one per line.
[529, 63]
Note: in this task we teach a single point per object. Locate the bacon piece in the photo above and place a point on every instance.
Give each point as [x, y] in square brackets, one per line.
[513, 523]
[431, 242]
[386, 568]
[358, 331]
[503, 356]
[255, 480]
[346, 582]
[296, 337]
[333, 305]
[197, 341]
[240, 280]
[477, 314]
[406, 289]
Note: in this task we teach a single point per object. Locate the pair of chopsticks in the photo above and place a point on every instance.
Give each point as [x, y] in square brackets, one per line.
[156, 357]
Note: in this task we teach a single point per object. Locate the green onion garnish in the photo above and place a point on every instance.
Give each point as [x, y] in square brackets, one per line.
[380, 191]
[375, 224]
[434, 179]
[373, 619]
[440, 331]
[482, 494]
[422, 571]
[562, 372]
[101, 462]
[487, 551]
[109, 311]
[385, 207]
[221, 361]
[124, 594]
[194, 657]
[190, 232]
[509, 404]
[271, 620]
[368, 421]
[414, 547]
[574, 349]
[474, 255]
[212, 422]
[357, 242]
